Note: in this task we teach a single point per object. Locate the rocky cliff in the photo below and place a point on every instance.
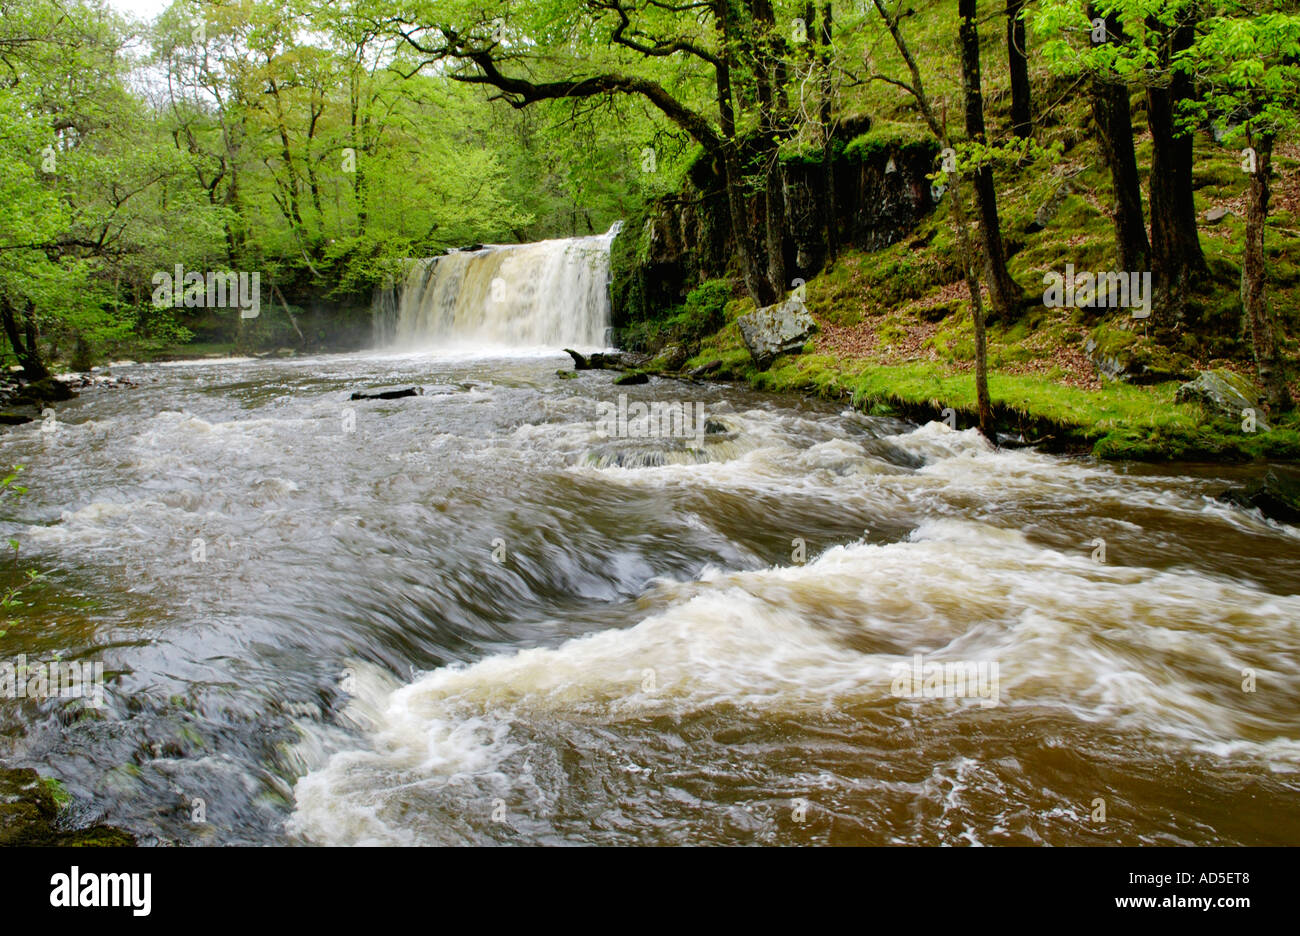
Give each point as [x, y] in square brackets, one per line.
[880, 192]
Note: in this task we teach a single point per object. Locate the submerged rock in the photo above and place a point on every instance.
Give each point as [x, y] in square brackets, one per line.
[1225, 393]
[776, 329]
[1276, 496]
[29, 814]
[389, 394]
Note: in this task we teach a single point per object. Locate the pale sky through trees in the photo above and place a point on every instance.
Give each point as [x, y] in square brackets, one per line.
[144, 9]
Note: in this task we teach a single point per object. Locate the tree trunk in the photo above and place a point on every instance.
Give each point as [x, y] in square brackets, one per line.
[1021, 99]
[1110, 109]
[1268, 365]
[1176, 256]
[27, 352]
[756, 281]
[1005, 295]
[767, 75]
[961, 223]
[828, 151]
[774, 220]
[983, 404]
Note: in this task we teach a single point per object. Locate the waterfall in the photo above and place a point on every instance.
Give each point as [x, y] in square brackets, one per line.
[550, 293]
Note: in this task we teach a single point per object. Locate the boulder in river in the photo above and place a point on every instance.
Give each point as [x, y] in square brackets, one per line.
[776, 329]
[45, 390]
[389, 394]
[1224, 393]
[631, 377]
[1276, 496]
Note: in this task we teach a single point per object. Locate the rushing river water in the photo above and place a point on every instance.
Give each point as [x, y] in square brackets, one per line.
[469, 617]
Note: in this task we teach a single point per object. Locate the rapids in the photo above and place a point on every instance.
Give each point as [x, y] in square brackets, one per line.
[475, 617]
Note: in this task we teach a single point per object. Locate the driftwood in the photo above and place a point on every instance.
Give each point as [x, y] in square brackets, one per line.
[616, 360]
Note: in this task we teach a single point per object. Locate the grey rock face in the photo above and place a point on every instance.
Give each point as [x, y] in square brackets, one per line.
[1224, 393]
[776, 329]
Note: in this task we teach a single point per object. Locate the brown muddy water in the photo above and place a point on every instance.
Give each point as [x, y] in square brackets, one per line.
[471, 617]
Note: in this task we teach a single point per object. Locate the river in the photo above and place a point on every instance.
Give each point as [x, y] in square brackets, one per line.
[471, 617]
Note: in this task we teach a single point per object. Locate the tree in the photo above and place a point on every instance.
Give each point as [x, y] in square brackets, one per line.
[1177, 260]
[1005, 295]
[716, 69]
[83, 167]
[1248, 61]
[1018, 66]
[957, 205]
[1137, 43]
[1113, 116]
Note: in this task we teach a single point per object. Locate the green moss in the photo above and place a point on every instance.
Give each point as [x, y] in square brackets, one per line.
[887, 136]
[626, 255]
[57, 790]
[29, 808]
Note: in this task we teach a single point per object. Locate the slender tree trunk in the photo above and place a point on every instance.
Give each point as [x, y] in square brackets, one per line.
[828, 150]
[1004, 294]
[767, 76]
[983, 403]
[1018, 64]
[1268, 364]
[774, 220]
[358, 166]
[302, 341]
[961, 224]
[1177, 260]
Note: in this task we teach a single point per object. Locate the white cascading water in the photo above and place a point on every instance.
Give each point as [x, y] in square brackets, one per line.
[550, 293]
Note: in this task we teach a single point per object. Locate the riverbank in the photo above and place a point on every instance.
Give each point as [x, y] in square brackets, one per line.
[1111, 421]
[891, 341]
[895, 335]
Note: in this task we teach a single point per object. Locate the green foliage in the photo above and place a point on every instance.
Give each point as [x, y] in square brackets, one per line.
[702, 314]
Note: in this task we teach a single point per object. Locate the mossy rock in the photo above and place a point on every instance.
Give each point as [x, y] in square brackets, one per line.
[1224, 393]
[1121, 354]
[671, 358]
[29, 809]
[45, 390]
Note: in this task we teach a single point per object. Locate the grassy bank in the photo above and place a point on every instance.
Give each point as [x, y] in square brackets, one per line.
[1049, 395]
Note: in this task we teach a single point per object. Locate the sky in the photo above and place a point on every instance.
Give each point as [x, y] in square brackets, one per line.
[145, 9]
